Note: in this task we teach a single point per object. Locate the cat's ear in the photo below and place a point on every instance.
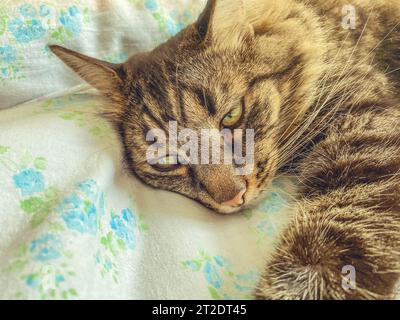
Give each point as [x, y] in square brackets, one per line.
[106, 77]
[224, 23]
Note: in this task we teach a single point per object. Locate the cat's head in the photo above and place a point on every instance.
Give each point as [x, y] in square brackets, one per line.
[236, 68]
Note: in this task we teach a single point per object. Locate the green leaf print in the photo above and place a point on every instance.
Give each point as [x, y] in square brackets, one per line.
[107, 242]
[194, 265]
[214, 293]
[17, 266]
[32, 205]
[73, 292]
[3, 22]
[40, 207]
[40, 163]
[4, 149]
[39, 218]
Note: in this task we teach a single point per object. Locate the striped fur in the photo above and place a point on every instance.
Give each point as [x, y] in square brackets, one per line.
[323, 102]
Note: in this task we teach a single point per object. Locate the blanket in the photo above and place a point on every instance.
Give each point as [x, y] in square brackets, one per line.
[107, 29]
[76, 225]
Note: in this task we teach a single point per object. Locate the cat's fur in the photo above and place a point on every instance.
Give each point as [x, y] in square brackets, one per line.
[323, 102]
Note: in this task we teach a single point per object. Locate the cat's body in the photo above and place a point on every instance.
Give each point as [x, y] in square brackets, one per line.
[323, 102]
[349, 212]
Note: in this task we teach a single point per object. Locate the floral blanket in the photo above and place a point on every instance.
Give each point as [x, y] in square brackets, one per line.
[76, 225]
[107, 29]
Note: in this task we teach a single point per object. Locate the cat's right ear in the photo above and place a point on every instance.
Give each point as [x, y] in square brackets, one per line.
[224, 23]
[106, 77]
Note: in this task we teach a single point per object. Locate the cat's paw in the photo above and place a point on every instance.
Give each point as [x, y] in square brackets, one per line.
[292, 284]
[326, 261]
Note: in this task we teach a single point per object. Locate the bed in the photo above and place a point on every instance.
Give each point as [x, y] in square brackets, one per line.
[75, 224]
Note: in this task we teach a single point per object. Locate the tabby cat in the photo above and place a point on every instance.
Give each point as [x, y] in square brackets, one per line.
[323, 101]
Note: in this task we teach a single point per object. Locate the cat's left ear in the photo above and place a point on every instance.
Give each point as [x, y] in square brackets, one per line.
[106, 77]
[224, 23]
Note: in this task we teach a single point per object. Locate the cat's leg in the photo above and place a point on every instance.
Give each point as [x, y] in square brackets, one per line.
[344, 240]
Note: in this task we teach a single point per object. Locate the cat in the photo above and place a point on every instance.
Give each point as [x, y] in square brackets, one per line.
[322, 98]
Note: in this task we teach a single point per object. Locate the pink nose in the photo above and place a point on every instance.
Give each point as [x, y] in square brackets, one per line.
[236, 201]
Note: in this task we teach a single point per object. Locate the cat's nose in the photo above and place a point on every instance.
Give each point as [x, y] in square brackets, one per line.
[221, 184]
[237, 200]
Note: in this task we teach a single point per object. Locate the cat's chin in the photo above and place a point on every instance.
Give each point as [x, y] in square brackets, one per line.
[227, 210]
[251, 201]
[236, 210]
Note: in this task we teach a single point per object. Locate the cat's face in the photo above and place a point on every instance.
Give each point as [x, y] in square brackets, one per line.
[213, 75]
[200, 90]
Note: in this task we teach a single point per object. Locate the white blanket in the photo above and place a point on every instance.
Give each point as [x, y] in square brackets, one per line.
[107, 29]
[74, 224]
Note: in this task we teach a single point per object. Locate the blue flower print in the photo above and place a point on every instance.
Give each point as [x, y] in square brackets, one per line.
[5, 72]
[59, 278]
[32, 281]
[29, 181]
[70, 19]
[8, 54]
[188, 16]
[212, 276]
[128, 216]
[108, 265]
[78, 214]
[247, 281]
[221, 261]
[124, 227]
[26, 31]
[81, 210]
[73, 11]
[192, 265]
[28, 11]
[44, 10]
[102, 205]
[265, 227]
[222, 280]
[151, 5]
[47, 247]
[273, 204]
[172, 27]
[177, 21]
[89, 188]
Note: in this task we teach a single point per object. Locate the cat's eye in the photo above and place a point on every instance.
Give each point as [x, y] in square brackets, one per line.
[233, 117]
[167, 163]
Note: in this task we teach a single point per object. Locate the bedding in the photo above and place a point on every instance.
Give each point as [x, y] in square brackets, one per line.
[107, 29]
[76, 225]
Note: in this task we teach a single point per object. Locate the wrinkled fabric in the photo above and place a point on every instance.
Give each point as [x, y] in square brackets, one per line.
[106, 29]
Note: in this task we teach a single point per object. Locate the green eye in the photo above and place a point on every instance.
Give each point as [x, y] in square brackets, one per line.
[233, 117]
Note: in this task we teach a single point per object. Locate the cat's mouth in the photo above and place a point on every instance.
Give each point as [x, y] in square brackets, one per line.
[221, 208]
[236, 205]
[251, 198]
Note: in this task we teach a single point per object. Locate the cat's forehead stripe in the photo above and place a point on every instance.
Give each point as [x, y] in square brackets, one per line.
[206, 100]
[154, 118]
[158, 90]
[296, 62]
[181, 105]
